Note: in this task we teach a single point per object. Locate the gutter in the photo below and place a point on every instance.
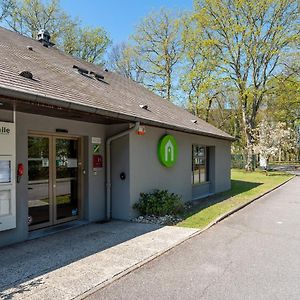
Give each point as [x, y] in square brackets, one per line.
[108, 166]
[16, 94]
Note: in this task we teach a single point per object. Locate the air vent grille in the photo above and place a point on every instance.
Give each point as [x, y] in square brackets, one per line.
[26, 74]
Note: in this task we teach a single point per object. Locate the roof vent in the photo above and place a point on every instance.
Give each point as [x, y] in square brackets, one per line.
[97, 75]
[194, 121]
[144, 106]
[44, 37]
[26, 74]
[30, 48]
[81, 70]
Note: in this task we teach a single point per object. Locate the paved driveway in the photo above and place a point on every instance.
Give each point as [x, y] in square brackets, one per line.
[254, 254]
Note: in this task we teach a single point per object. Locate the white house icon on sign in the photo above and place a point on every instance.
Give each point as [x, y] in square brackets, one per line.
[169, 151]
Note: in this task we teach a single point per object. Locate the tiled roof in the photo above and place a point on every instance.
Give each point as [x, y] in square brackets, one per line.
[55, 78]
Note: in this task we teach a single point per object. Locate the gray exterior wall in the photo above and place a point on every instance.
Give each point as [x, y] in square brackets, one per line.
[146, 172]
[120, 187]
[134, 155]
[94, 190]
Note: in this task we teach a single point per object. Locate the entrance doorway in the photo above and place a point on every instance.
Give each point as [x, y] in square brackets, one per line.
[54, 181]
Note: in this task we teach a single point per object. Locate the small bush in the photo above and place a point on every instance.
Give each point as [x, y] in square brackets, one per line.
[159, 203]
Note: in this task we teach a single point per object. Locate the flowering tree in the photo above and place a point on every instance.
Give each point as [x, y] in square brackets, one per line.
[272, 139]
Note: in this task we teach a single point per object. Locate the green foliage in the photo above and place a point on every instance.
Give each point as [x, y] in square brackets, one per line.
[241, 43]
[27, 17]
[283, 101]
[87, 43]
[159, 203]
[124, 60]
[157, 42]
[4, 8]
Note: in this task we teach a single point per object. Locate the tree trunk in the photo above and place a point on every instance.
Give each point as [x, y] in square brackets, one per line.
[250, 153]
[248, 129]
[208, 110]
[279, 155]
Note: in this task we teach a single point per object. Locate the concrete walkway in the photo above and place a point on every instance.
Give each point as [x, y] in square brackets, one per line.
[70, 263]
[254, 255]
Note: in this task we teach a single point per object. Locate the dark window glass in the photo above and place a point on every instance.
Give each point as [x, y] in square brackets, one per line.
[199, 164]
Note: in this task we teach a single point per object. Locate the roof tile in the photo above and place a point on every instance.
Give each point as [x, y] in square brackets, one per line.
[55, 77]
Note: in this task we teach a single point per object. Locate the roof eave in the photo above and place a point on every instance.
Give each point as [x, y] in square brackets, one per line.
[28, 96]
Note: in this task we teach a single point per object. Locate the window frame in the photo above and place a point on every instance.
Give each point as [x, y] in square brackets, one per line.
[197, 148]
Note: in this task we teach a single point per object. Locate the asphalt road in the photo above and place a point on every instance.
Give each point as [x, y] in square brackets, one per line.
[253, 254]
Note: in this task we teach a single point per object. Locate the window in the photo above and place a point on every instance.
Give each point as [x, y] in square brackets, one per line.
[200, 163]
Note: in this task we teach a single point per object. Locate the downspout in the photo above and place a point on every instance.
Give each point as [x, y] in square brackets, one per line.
[108, 166]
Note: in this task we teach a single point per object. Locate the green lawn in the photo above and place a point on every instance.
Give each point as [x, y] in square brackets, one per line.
[244, 187]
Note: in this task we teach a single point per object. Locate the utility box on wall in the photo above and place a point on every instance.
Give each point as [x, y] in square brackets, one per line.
[7, 176]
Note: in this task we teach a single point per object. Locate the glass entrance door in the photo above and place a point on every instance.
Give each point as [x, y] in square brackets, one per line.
[66, 191]
[39, 192]
[53, 180]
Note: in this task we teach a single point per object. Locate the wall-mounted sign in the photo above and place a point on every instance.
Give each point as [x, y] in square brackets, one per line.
[4, 130]
[97, 161]
[8, 175]
[96, 148]
[167, 151]
[96, 140]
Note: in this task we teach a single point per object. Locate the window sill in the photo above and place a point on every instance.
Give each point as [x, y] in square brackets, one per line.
[200, 183]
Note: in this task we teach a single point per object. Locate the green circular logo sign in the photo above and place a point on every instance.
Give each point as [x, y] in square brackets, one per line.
[167, 151]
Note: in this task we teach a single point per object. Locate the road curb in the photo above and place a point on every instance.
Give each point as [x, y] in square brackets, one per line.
[236, 209]
[151, 258]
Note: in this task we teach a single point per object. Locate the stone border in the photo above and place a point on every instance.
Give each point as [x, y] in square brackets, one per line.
[154, 256]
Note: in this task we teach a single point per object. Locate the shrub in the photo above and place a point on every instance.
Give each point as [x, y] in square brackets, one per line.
[159, 203]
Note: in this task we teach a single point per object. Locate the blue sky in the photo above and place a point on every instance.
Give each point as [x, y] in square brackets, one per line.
[118, 17]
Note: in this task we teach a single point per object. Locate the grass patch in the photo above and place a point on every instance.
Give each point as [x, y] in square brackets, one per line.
[244, 188]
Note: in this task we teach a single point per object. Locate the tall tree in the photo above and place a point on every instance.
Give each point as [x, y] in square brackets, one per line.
[27, 17]
[5, 6]
[273, 139]
[124, 60]
[283, 101]
[201, 80]
[87, 43]
[157, 42]
[247, 39]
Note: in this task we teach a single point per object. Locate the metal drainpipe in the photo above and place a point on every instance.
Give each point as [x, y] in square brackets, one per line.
[108, 166]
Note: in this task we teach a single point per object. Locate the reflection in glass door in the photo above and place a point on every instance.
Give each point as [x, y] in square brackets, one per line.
[66, 192]
[53, 187]
[39, 206]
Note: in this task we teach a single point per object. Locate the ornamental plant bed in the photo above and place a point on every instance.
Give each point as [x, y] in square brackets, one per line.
[159, 203]
[159, 207]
